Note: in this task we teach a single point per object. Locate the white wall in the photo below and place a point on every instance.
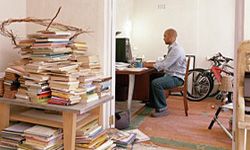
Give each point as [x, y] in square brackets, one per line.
[216, 28]
[150, 22]
[247, 20]
[11, 9]
[78, 13]
[124, 17]
[204, 27]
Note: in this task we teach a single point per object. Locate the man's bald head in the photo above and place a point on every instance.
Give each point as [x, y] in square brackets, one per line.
[170, 36]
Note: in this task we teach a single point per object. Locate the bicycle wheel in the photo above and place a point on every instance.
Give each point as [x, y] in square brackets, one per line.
[199, 84]
[215, 90]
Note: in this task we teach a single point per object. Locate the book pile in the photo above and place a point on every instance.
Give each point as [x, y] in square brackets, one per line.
[89, 71]
[93, 136]
[45, 46]
[64, 84]
[86, 83]
[11, 83]
[12, 136]
[58, 72]
[91, 62]
[42, 138]
[103, 86]
[43, 49]
[36, 81]
[78, 49]
[121, 138]
[22, 90]
[140, 136]
[2, 74]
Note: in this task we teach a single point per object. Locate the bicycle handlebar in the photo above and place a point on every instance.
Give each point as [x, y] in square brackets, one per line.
[219, 58]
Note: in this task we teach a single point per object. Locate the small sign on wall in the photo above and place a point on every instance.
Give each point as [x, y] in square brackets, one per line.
[161, 6]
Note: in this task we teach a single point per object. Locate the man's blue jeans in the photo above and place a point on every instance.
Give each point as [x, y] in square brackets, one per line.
[158, 85]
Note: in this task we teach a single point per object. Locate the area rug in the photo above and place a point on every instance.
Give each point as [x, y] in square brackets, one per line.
[187, 133]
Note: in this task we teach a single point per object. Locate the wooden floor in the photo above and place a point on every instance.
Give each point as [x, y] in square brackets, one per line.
[187, 133]
[137, 107]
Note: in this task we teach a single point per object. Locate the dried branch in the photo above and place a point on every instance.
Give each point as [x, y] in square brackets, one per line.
[44, 22]
[53, 18]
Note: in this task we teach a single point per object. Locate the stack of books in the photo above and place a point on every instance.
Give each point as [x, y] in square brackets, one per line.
[42, 138]
[93, 136]
[58, 71]
[25, 50]
[140, 136]
[36, 81]
[12, 136]
[91, 67]
[2, 74]
[78, 49]
[121, 138]
[91, 62]
[103, 86]
[64, 84]
[11, 83]
[22, 90]
[86, 82]
[43, 49]
[50, 46]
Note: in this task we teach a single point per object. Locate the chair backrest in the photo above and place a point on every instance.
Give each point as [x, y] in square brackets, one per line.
[186, 78]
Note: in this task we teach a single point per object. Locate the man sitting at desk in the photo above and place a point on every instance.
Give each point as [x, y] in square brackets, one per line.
[174, 67]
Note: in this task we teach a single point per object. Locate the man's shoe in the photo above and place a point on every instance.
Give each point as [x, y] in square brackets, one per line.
[159, 113]
[148, 104]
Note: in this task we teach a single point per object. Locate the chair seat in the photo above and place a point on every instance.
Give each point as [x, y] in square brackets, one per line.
[177, 89]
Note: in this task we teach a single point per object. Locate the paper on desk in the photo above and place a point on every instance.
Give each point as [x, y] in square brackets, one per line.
[133, 69]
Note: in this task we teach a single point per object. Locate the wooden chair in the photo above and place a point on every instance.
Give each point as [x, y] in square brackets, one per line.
[182, 89]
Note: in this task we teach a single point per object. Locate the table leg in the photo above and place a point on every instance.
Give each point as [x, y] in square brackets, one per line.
[130, 91]
[5, 115]
[69, 130]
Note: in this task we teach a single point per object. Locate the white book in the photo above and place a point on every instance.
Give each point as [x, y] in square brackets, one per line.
[42, 131]
[105, 145]
[140, 136]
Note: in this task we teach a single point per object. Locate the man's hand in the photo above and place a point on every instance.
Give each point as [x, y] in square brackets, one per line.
[149, 63]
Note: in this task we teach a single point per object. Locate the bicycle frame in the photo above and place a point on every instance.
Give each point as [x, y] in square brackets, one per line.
[217, 73]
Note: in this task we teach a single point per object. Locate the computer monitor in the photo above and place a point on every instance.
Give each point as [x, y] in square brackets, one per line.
[123, 50]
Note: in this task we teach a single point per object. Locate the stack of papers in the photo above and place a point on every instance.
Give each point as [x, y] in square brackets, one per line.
[121, 65]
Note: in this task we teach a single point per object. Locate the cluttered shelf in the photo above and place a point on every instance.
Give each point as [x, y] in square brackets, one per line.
[52, 119]
[77, 108]
[70, 120]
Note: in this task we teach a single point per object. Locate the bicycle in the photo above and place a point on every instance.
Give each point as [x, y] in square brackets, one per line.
[205, 82]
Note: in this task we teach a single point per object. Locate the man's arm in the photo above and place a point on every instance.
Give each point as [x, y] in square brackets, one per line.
[169, 60]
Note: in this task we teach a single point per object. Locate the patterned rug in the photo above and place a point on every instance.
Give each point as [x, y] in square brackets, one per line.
[186, 133]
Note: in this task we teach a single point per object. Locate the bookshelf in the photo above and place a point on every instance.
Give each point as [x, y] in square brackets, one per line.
[242, 120]
[71, 118]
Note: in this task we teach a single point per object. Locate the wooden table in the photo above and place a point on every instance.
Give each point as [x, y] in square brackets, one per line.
[132, 72]
[72, 118]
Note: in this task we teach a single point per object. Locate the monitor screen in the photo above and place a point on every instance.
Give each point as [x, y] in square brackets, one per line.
[123, 50]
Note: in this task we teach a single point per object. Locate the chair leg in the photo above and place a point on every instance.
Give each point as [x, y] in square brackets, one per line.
[185, 105]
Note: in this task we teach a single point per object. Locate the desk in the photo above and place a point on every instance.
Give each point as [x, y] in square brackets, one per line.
[132, 72]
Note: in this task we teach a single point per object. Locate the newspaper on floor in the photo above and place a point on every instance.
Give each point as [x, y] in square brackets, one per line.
[140, 136]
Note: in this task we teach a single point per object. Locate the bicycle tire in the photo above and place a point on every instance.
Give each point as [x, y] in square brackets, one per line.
[199, 84]
[215, 90]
